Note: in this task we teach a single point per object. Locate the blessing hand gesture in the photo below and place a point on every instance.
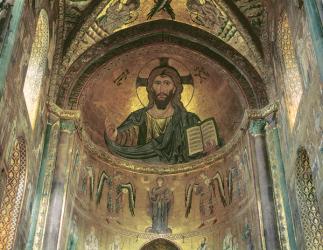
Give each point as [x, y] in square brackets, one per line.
[110, 130]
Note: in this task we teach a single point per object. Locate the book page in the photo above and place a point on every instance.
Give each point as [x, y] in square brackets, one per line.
[194, 140]
[210, 137]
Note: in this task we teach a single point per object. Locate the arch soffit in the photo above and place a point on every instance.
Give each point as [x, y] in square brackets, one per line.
[162, 31]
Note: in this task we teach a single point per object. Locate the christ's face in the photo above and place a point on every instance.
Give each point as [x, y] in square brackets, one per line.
[160, 182]
[163, 88]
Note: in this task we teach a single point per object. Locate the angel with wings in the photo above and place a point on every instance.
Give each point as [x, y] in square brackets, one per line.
[116, 191]
[162, 5]
[206, 190]
[117, 14]
[87, 180]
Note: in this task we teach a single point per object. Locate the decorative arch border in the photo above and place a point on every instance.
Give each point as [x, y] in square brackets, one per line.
[162, 31]
[307, 202]
[10, 207]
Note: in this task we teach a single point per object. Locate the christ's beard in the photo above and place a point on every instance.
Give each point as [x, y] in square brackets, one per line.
[162, 104]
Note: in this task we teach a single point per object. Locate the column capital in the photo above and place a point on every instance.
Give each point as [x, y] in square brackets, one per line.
[68, 125]
[257, 127]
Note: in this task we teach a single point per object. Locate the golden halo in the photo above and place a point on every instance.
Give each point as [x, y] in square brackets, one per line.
[186, 79]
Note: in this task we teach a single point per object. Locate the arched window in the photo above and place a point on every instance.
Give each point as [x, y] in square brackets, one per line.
[293, 89]
[36, 67]
[307, 202]
[12, 195]
[160, 244]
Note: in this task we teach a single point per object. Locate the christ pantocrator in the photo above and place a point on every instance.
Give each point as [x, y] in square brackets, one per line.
[156, 132]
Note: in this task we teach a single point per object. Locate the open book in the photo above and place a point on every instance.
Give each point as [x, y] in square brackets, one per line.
[201, 136]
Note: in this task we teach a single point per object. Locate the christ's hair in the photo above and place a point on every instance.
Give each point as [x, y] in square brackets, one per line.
[173, 74]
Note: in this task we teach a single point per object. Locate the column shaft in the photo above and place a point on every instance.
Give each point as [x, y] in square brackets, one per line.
[265, 186]
[55, 211]
[40, 205]
[278, 160]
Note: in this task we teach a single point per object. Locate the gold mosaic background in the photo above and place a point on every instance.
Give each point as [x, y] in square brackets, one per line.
[13, 194]
[308, 204]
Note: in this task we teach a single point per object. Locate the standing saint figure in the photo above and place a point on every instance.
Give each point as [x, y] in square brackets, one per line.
[203, 245]
[161, 198]
[207, 200]
[156, 132]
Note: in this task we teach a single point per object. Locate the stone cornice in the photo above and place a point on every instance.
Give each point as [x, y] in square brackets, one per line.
[255, 114]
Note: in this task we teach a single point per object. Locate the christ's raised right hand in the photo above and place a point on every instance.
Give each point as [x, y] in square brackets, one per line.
[110, 130]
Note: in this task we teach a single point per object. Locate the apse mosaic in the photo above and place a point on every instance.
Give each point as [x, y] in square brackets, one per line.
[150, 117]
[150, 114]
[169, 106]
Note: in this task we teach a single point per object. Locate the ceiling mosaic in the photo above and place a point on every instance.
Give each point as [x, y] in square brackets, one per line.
[238, 23]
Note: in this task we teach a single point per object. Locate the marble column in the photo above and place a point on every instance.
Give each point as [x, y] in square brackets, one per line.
[257, 130]
[60, 178]
[40, 204]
